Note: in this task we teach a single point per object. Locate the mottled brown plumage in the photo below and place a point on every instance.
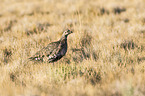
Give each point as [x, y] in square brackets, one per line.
[53, 51]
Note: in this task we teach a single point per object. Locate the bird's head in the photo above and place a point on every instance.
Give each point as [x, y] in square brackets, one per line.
[67, 32]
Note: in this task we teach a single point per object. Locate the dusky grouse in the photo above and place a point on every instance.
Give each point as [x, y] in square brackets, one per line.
[53, 51]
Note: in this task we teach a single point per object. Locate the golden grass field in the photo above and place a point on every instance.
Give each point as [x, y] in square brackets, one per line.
[106, 52]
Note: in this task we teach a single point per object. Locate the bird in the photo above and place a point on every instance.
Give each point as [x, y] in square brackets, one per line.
[54, 51]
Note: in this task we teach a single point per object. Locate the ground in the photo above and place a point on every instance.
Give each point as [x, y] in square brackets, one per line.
[106, 52]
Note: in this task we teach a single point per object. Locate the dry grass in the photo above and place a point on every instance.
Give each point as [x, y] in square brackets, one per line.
[106, 52]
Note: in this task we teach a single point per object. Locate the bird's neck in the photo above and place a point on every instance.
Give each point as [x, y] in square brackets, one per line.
[63, 39]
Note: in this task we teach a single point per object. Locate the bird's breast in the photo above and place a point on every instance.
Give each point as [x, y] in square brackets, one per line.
[63, 51]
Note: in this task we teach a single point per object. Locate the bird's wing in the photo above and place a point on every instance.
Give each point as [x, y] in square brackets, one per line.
[58, 53]
[46, 51]
[55, 55]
